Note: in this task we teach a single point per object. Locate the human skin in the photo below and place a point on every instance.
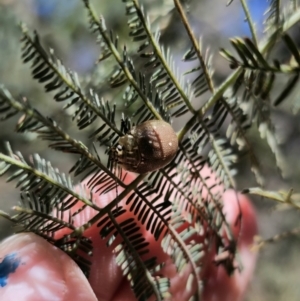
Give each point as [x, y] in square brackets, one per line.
[41, 272]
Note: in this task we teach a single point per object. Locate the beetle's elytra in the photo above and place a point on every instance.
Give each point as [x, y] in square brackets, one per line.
[148, 146]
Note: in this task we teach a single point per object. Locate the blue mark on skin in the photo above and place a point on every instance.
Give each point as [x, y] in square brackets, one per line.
[8, 265]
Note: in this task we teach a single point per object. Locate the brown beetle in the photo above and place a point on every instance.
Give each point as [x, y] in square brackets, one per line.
[148, 146]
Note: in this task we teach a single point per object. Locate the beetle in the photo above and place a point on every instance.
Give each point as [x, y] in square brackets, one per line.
[146, 147]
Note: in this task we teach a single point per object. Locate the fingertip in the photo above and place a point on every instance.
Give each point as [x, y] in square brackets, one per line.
[32, 269]
[244, 229]
[239, 205]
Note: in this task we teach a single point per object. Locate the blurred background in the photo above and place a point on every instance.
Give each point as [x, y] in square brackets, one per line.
[63, 26]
